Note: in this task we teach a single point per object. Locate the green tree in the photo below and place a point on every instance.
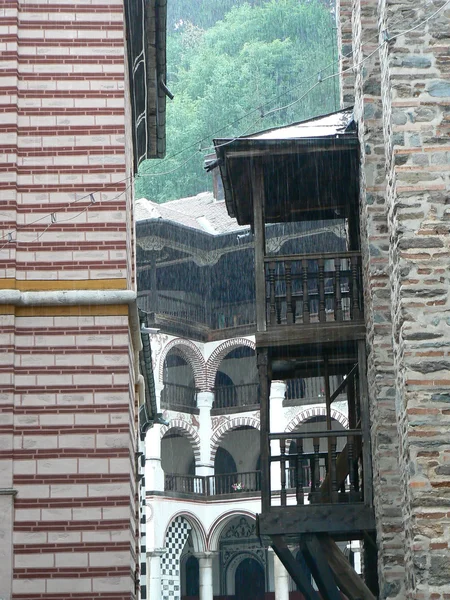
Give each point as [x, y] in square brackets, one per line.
[238, 72]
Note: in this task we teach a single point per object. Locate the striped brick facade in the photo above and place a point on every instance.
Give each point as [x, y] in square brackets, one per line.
[67, 373]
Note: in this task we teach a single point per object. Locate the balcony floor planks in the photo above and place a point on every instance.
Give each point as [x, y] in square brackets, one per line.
[340, 521]
[286, 335]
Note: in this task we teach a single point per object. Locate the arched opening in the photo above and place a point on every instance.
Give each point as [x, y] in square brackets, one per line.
[224, 465]
[249, 580]
[191, 578]
[177, 461]
[236, 382]
[235, 462]
[179, 383]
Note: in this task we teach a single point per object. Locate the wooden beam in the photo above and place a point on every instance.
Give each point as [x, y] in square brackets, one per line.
[319, 567]
[343, 384]
[293, 568]
[348, 580]
[347, 521]
[262, 361]
[260, 244]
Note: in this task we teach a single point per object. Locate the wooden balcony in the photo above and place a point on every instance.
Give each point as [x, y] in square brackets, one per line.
[179, 397]
[196, 320]
[238, 485]
[239, 397]
[311, 298]
[323, 486]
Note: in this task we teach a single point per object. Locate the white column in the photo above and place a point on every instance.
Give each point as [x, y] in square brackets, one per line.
[154, 573]
[206, 575]
[281, 579]
[154, 474]
[277, 393]
[204, 403]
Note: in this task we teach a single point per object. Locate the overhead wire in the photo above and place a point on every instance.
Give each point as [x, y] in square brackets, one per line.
[53, 214]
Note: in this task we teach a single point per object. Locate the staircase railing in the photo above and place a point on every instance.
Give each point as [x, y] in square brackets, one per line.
[331, 473]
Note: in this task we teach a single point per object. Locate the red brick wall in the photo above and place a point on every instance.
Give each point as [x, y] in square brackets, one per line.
[67, 428]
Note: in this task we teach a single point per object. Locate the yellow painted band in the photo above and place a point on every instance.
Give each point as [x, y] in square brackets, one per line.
[56, 285]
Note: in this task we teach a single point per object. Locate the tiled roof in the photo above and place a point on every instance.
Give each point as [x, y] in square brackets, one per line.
[200, 212]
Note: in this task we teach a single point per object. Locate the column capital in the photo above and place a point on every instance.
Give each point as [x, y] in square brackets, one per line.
[205, 399]
[207, 554]
[156, 552]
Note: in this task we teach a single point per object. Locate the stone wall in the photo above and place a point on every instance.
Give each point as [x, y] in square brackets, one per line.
[402, 108]
[416, 108]
[375, 248]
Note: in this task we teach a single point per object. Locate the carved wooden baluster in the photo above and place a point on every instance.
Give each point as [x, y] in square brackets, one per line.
[322, 315]
[306, 318]
[315, 471]
[288, 276]
[355, 312]
[351, 468]
[283, 471]
[272, 311]
[299, 473]
[337, 290]
[333, 475]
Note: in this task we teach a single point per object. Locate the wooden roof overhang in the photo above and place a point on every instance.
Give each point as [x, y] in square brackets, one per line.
[145, 29]
[303, 179]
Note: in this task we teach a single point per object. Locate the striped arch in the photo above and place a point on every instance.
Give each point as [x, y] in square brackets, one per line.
[198, 533]
[315, 411]
[228, 426]
[213, 362]
[221, 522]
[187, 430]
[190, 352]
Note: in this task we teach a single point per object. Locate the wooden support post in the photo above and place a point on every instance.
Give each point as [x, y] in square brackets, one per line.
[260, 245]
[318, 565]
[365, 423]
[348, 580]
[299, 479]
[293, 568]
[326, 376]
[351, 402]
[264, 389]
[283, 472]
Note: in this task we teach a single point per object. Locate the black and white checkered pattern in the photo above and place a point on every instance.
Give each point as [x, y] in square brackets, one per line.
[176, 538]
[143, 525]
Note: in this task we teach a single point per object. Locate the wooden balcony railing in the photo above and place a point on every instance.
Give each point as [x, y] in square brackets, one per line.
[309, 389]
[178, 396]
[233, 314]
[229, 396]
[313, 288]
[322, 476]
[214, 485]
[217, 316]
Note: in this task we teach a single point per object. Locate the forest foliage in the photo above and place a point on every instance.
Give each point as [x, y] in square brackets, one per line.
[230, 64]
